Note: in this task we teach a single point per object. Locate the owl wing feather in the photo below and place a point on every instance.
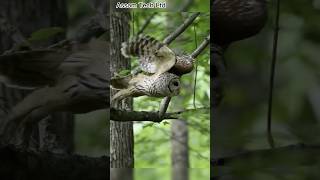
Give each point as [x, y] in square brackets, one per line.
[154, 56]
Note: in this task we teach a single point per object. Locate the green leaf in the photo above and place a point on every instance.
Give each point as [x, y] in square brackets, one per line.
[45, 33]
[165, 123]
[124, 72]
[147, 125]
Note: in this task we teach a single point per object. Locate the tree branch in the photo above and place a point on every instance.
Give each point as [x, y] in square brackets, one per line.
[181, 28]
[17, 163]
[201, 47]
[124, 116]
[272, 75]
[301, 151]
[146, 23]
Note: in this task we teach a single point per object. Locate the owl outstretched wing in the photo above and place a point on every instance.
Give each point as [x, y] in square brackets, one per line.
[154, 56]
[34, 68]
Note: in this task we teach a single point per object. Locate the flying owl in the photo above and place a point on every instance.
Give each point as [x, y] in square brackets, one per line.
[165, 84]
[161, 68]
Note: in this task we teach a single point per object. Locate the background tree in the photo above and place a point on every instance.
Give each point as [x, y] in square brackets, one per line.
[121, 134]
[52, 143]
[240, 121]
[55, 133]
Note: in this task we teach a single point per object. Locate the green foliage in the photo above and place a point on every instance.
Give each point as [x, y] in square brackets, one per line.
[176, 5]
[242, 121]
[45, 34]
[90, 133]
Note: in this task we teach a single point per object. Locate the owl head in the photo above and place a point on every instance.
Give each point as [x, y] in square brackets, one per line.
[166, 84]
[174, 86]
[184, 65]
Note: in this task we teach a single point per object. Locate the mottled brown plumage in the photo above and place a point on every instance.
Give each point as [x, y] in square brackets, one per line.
[234, 20]
[162, 69]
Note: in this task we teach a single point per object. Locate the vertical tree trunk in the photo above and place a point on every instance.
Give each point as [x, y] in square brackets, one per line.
[179, 144]
[56, 132]
[121, 134]
[180, 151]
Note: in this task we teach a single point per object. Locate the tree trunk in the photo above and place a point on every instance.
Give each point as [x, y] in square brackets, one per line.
[56, 132]
[121, 134]
[180, 151]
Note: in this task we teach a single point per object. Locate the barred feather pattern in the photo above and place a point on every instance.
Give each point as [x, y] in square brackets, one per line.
[142, 45]
[145, 47]
[166, 84]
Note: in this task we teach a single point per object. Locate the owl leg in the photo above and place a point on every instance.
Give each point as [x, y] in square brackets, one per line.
[122, 94]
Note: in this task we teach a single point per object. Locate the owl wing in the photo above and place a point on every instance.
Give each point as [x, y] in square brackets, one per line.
[154, 56]
[39, 67]
[27, 69]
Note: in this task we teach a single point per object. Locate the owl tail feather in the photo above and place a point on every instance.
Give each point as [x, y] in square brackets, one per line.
[140, 46]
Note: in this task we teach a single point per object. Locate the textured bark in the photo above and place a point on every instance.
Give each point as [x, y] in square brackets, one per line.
[123, 115]
[56, 132]
[121, 134]
[180, 151]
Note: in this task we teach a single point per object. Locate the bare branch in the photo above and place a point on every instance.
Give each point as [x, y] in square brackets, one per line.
[146, 23]
[124, 116]
[181, 28]
[272, 75]
[202, 46]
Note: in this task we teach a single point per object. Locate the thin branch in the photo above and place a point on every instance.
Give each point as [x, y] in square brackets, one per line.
[181, 28]
[196, 70]
[146, 23]
[201, 47]
[272, 75]
[125, 116]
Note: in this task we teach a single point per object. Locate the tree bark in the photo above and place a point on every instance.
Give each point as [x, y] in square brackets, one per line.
[180, 151]
[56, 132]
[121, 134]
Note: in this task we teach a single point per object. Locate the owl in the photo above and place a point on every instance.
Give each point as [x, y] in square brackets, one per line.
[161, 73]
[165, 84]
[70, 78]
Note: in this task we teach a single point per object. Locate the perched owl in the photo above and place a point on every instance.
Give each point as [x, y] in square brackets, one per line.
[161, 69]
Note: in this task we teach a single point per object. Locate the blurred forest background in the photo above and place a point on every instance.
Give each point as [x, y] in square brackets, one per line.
[178, 5]
[152, 141]
[90, 128]
[240, 124]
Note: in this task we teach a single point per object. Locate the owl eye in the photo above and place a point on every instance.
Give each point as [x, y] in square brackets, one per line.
[175, 83]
